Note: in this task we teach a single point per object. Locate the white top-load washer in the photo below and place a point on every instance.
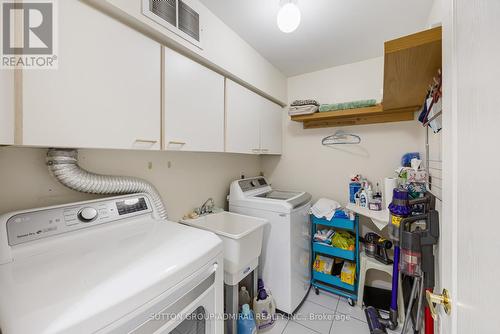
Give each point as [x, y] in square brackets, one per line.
[286, 249]
[107, 266]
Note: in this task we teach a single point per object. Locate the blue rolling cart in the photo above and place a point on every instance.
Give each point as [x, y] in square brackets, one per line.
[332, 283]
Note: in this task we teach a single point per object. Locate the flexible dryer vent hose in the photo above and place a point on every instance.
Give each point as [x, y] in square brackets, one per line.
[63, 165]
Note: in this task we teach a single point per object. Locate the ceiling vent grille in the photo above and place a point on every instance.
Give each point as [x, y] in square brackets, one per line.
[165, 9]
[176, 15]
[189, 20]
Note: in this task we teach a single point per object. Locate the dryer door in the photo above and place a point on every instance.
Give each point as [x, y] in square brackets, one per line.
[194, 307]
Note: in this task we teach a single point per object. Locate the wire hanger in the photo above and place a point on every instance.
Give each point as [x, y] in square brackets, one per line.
[341, 138]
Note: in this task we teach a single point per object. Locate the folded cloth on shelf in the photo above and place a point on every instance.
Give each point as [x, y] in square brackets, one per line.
[325, 208]
[302, 110]
[347, 105]
[297, 103]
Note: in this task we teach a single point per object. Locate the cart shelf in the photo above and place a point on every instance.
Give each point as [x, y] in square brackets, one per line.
[340, 223]
[322, 248]
[333, 280]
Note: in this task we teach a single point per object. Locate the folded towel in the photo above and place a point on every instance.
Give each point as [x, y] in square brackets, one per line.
[302, 110]
[325, 208]
[304, 103]
[347, 105]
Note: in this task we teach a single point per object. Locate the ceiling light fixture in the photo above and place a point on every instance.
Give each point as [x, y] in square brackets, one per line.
[288, 17]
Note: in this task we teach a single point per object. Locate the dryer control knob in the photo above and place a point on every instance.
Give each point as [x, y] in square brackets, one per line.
[87, 214]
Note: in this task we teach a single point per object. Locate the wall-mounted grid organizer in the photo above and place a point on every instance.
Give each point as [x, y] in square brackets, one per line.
[331, 283]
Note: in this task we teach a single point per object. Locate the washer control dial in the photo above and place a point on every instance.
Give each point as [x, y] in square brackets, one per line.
[88, 214]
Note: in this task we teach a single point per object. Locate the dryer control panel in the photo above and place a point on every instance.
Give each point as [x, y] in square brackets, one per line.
[34, 225]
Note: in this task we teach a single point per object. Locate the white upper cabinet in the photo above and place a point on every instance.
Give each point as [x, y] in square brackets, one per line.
[271, 128]
[6, 107]
[194, 105]
[106, 92]
[242, 119]
[253, 123]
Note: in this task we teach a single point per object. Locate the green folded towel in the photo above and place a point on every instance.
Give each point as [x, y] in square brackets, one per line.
[347, 105]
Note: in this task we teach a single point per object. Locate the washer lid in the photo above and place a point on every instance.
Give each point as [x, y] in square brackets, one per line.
[83, 281]
[278, 194]
[276, 201]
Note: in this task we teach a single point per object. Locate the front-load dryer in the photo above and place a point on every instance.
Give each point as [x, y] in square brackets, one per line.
[108, 266]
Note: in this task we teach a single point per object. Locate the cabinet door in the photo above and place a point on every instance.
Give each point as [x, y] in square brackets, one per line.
[194, 105]
[242, 119]
[6, 107]
[271, 127]
[106, 92]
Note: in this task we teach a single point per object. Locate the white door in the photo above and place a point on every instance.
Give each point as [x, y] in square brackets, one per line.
[6, 107]
[242, 119]
[106, 92]
[470, 225]
[271, 129]
[194, 105]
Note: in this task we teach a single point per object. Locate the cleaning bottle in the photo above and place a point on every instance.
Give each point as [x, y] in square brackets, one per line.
[246, 321]
[363, 199]
[244, 297]
[264, 308]
[369, 193]
[354, 187]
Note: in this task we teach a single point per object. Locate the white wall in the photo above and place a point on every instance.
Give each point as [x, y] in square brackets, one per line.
[6, 106]
[221, 46]
[190, 180]
[436, 14]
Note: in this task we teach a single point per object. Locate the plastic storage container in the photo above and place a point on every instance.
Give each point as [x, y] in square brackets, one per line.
[353, 189]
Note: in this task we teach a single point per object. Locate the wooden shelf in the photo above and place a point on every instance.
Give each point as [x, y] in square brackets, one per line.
[410, 63]
[370, 115]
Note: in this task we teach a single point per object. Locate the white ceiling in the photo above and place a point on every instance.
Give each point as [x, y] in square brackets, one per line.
[331, 32]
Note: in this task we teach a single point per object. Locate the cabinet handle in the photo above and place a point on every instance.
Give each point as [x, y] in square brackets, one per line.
[265, 150]
[177, 142]
[146, 141]
[144, 144]
[256, 150]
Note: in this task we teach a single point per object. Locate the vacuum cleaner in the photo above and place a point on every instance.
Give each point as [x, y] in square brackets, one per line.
[417, 260]
[377, 247]
[400, 208]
